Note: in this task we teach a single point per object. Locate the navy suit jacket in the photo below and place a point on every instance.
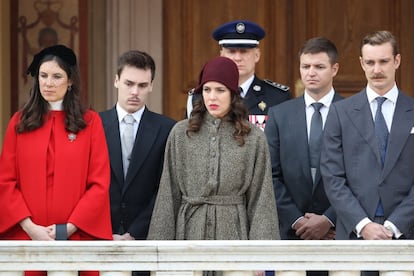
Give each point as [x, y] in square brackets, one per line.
[132, 199]
[295, 192]
[351, 166]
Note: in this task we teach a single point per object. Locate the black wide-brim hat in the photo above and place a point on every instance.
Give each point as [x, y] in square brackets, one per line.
[64, 53]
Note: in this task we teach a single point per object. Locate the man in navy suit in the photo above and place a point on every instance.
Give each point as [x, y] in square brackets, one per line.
[134, 178]
[304, 211]
[303, 208]
[369, 184]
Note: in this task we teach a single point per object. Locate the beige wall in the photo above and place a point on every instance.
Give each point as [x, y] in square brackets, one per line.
[116, 26]
[133, 25]
[97, 61]
[4, 66]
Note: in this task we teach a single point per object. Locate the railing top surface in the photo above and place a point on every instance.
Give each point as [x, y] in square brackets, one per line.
[345, 244]
[217, 247]
[208, 255]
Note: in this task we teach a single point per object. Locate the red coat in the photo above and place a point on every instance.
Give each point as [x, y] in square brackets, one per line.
[55, 177]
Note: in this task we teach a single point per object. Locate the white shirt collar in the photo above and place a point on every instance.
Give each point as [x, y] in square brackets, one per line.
[325, 100]
[246, 85]
[391, 95]
[58, 105]
[122, 113]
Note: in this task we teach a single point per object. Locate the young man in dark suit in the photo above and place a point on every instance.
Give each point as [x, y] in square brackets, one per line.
[303, 208]
[136, 147]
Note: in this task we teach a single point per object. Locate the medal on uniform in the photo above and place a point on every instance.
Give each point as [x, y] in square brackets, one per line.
[262, 105]
[72, 137]
[258, 120]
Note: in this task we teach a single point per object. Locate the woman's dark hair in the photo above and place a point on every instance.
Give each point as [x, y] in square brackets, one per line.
[237, 116]
[36, 108]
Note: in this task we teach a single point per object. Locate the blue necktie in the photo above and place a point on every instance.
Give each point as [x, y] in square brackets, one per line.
[381, 132]
[315, 136]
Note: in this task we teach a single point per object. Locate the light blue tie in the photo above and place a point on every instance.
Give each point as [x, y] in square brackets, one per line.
[127, 141]
[381, 132]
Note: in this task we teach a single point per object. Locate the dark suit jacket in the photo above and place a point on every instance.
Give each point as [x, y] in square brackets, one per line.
[351, 166]
[286, 132]
[132, 200]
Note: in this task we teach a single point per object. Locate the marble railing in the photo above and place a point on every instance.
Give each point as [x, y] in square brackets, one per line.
[288, 258]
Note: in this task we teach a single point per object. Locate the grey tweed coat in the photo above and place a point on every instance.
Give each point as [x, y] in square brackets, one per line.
[213, 189]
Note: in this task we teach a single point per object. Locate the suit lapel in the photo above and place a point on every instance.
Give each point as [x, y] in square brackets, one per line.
[318, 176]
[114, 145]
[146, 136]
[402, 123]
[301, 136]
[361, 117]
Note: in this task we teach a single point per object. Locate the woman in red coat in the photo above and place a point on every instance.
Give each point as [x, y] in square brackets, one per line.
[54, 165]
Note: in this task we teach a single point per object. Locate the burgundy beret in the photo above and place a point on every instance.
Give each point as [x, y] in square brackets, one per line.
[222, 70]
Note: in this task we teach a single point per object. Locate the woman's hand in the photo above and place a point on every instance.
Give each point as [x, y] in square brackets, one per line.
[71, 228]
[35, 231]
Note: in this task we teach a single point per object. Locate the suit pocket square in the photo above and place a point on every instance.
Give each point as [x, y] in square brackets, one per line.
[412, 130]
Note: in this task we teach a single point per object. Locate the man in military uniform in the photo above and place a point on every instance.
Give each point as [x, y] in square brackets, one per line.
[239, 41]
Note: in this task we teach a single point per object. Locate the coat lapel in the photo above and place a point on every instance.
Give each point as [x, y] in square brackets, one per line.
[301, 137]
[318, 176]
[146, 136]
[361, 117]
[114, 146]
[402, 123]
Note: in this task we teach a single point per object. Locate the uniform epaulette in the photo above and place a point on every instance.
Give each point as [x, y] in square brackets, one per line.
[191, 91]
[277, 85]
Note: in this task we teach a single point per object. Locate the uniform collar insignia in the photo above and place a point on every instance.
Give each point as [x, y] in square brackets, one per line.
[257, 88]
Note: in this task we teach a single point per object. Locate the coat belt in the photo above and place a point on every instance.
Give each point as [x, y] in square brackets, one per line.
[214, 200]
[190, 204]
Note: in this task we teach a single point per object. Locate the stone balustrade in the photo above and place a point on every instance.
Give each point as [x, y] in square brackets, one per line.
[288, 258]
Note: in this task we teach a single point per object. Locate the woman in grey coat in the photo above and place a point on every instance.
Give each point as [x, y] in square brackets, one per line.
[216, 182]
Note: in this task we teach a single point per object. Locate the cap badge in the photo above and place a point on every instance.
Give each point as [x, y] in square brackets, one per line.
[72, 137]
[257, 88]
[262, 105]
[240, 28]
